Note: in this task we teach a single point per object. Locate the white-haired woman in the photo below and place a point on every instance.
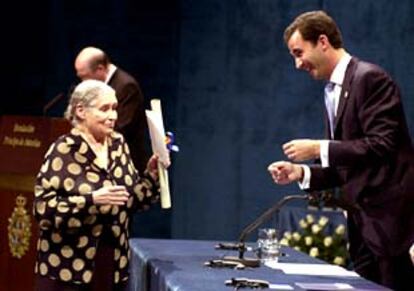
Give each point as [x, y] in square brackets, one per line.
[85, 191]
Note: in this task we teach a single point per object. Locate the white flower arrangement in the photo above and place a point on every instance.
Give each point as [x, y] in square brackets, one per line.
[313, 240]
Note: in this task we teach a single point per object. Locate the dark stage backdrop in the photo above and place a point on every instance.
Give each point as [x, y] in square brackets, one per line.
[228, 86]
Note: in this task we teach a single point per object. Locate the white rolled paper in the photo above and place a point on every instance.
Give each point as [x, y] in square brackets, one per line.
[157, 134]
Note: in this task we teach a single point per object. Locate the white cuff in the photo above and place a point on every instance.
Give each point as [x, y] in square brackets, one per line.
[324, 154]
[305, 183]
[411, 251]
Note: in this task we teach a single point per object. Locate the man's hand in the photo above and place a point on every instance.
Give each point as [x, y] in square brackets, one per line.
[285, 172]
[299, 150]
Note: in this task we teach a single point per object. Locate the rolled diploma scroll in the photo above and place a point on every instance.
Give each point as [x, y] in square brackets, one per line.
[157, 133]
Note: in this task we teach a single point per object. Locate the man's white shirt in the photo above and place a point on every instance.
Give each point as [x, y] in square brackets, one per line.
[337, 78]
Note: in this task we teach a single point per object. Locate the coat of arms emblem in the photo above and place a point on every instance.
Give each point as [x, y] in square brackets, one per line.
[19, 228]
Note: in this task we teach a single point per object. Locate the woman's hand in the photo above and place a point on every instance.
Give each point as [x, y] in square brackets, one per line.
[110, 195]
[152, 166]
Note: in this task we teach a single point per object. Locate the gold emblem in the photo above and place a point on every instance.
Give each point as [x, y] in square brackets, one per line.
[19, 228]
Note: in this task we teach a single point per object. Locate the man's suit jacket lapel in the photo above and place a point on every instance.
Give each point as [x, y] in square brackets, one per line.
[345, 92]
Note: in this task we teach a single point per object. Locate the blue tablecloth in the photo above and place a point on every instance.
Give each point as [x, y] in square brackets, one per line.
[164, 265]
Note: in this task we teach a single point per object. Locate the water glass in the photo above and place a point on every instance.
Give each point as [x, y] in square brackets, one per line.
[268, 246]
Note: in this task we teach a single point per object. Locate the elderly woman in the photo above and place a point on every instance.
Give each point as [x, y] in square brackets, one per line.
[85, 192]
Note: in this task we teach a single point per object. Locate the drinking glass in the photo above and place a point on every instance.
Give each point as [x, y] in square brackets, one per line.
[268, 246]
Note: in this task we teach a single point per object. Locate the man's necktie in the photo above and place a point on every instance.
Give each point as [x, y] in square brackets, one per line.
[330, 105]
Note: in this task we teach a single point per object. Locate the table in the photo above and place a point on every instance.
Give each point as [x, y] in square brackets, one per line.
[166, 265]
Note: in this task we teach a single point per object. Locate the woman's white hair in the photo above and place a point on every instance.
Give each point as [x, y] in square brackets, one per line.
[84, 94]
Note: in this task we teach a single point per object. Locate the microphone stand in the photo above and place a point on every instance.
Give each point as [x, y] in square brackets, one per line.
[52, 103]
[241, 246]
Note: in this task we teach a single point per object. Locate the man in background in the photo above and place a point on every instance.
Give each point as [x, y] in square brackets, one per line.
[367, 151]
[93, 63]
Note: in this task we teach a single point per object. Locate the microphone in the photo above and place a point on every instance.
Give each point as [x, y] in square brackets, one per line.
[52, 102]
[58, 98]
[241, 246]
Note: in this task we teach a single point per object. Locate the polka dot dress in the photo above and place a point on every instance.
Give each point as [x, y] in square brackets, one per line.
[70, 224]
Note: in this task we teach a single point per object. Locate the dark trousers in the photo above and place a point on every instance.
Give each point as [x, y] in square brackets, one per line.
[47, 284]
[395, 272]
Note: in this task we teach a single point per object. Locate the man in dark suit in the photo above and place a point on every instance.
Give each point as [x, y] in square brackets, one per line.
[368, 151]
[93, 63]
